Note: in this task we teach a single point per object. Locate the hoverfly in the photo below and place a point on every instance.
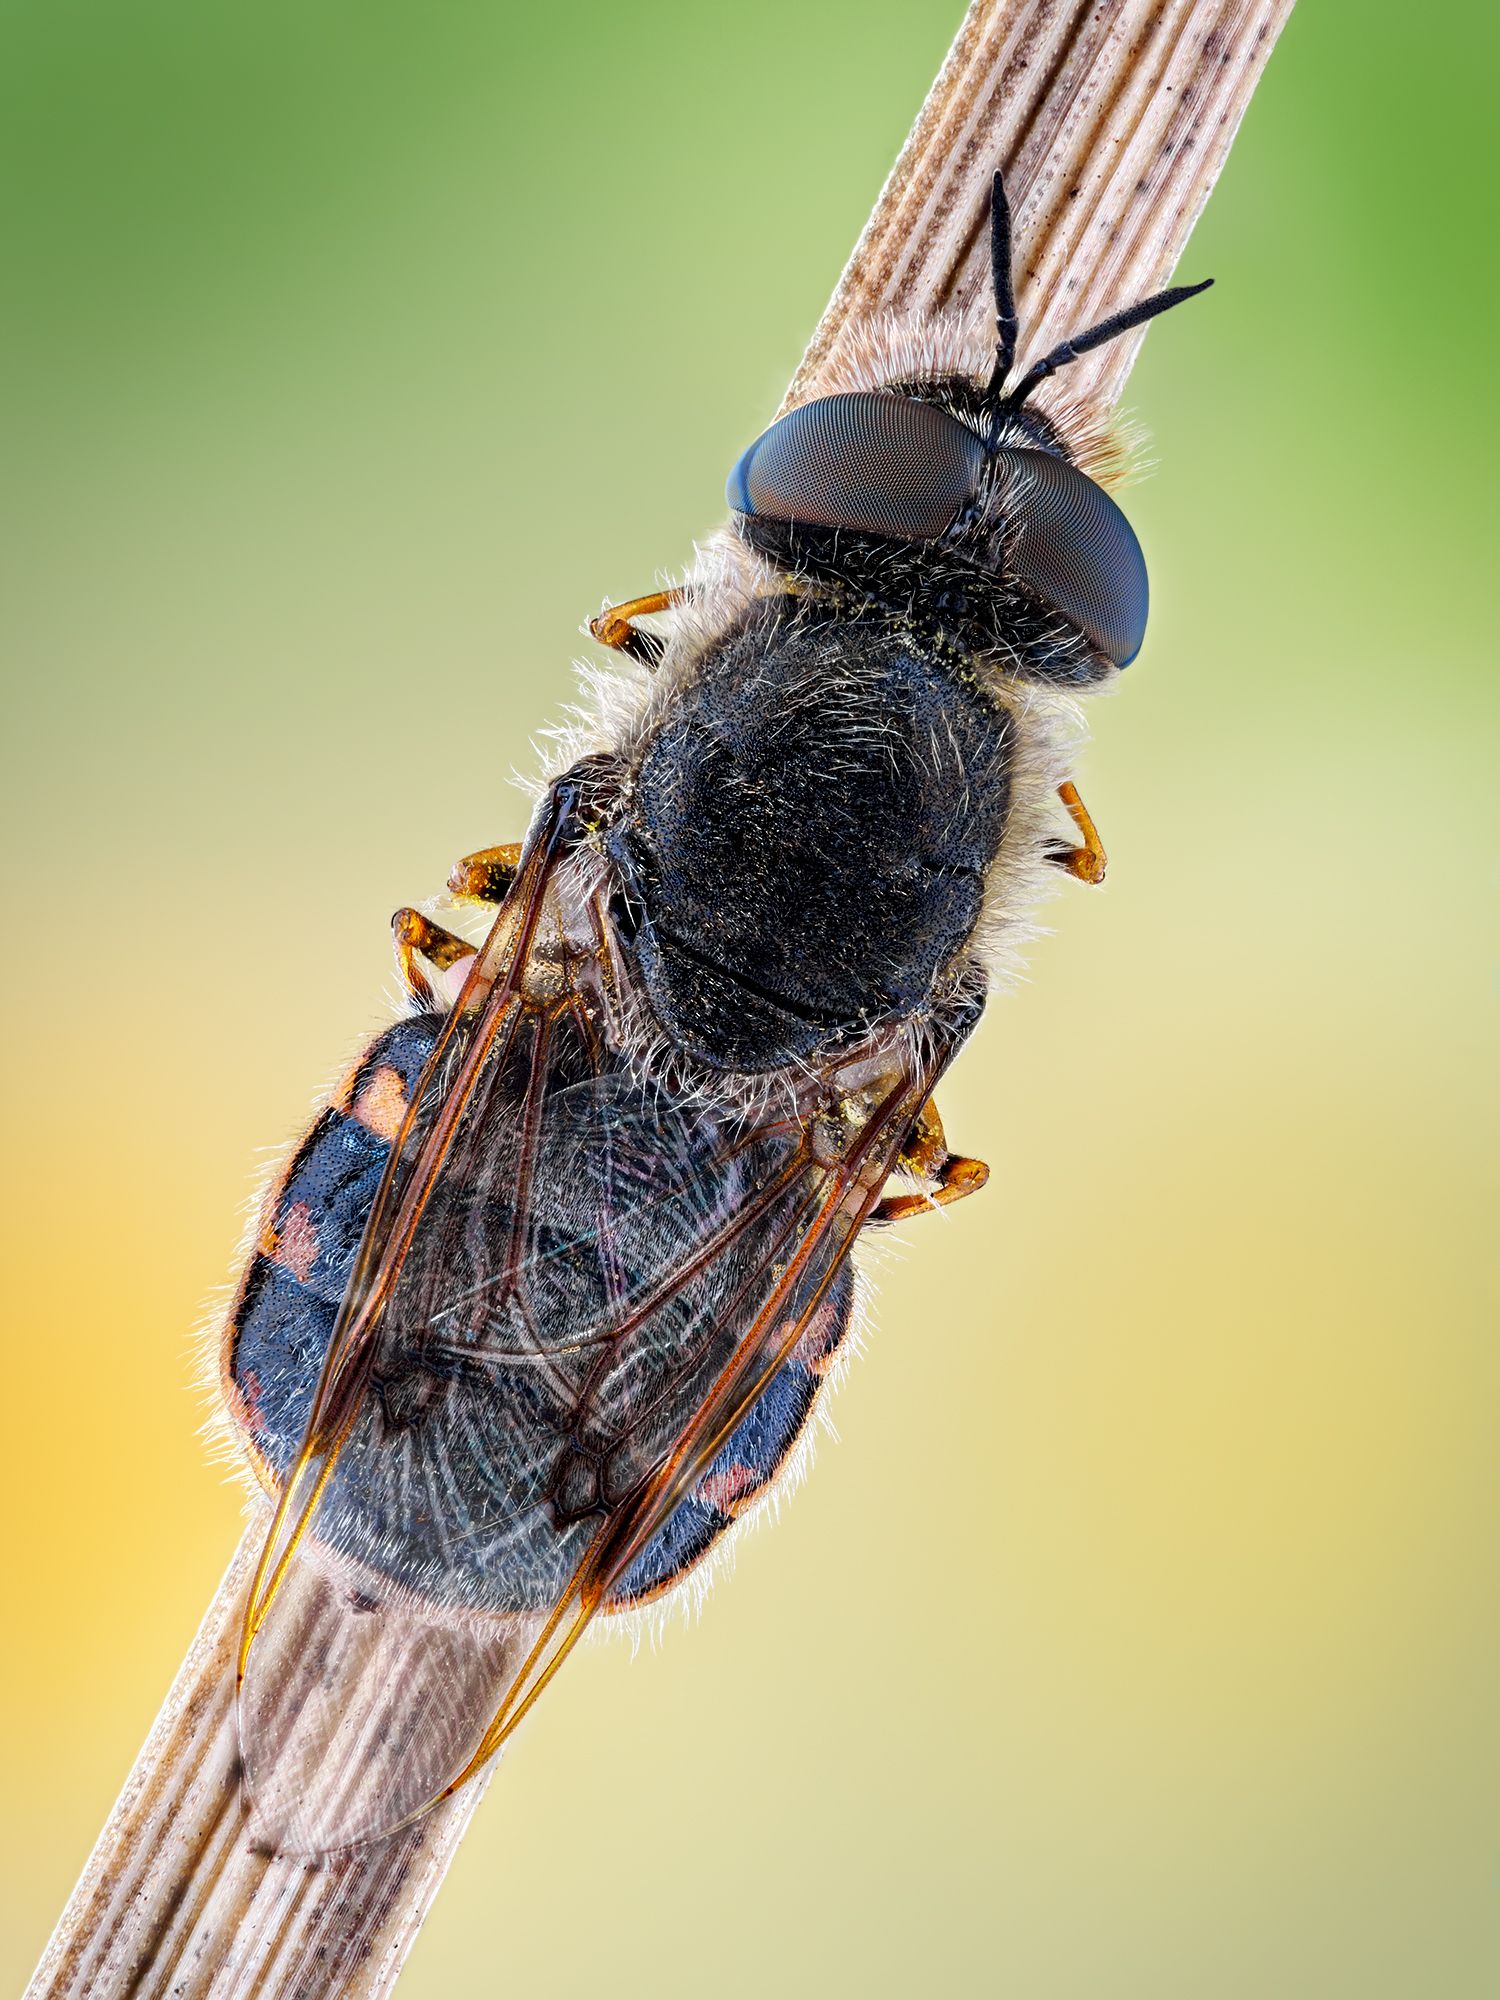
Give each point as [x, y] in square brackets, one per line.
[546, 1295]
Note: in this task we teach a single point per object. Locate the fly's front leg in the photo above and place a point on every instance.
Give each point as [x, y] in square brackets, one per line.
[414, 936]
[1089, 861]
[926, 1154]
[615, 626]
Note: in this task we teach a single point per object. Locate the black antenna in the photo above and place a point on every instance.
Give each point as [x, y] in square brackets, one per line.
[1007, 326]
[1107, 329]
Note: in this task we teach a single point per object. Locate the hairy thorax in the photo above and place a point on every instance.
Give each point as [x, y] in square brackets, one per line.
[808, 833]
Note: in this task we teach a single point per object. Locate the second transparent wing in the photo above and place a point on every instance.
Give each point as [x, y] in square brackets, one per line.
[559, 1323]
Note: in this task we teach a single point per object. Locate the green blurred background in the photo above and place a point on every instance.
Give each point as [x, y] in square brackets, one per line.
[1141, 1636]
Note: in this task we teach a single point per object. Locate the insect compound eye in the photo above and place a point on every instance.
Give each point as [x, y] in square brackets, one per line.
[883, 464]
[1073, 548]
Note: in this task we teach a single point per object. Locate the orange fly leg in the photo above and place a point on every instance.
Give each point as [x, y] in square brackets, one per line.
[926, 1154]
[615, 625]
[486, 876]
[1088, 862]
[414, 936]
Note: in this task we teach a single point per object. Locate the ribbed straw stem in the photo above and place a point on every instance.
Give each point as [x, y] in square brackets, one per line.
[1112, 122]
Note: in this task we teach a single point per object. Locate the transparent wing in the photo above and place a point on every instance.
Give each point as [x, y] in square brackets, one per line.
[570, 1291]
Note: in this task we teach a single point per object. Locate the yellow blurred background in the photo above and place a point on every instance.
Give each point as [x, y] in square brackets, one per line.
[1141, 1635]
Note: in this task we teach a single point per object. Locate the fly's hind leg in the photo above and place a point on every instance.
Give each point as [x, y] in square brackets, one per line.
[952, 1175]
[482, 877]
[1088, 861]
[615, 626]
[415, 936]
[486, 876]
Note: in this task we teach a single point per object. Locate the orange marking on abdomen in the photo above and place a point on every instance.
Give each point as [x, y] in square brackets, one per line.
[295, 1246]
[381, 1105]
[821, 1339]
[729, 1489]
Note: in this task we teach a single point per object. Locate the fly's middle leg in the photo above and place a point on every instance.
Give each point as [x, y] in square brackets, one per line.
[953, 1175]
[486, 875]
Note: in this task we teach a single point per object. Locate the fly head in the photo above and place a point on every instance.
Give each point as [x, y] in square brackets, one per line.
[953, 503]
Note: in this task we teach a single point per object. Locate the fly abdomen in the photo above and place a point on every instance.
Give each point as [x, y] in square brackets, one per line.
[510, 1409]
[282, 1321]
[809, 832]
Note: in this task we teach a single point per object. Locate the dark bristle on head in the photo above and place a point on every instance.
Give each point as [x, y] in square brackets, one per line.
[1096, 336]
[1007, 326]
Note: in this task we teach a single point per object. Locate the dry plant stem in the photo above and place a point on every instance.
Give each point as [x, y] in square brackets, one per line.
[176, 1900]
[1112, 122]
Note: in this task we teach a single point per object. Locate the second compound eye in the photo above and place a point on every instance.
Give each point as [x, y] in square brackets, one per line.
[881, 464]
